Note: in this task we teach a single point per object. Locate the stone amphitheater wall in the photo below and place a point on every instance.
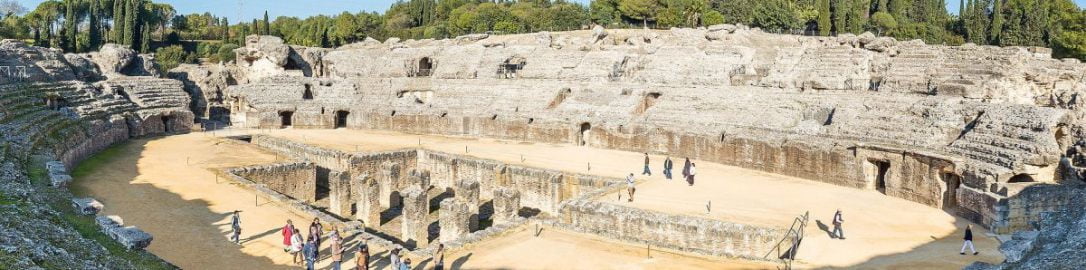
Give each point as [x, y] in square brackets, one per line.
[297, 179]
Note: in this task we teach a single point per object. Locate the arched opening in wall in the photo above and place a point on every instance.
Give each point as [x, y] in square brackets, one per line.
[582, 137]
[1021, 178]
[395, 200]
[876, 171]
[323, 184]
[950, 196]
[341, 118]
[646, 102]
[167, 122]
[292, 64]
[559, 98]
[426, 67]
[286, 119]
[308, 94]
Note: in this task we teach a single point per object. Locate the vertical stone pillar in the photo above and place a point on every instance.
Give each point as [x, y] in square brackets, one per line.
[368, 203]
[420, 178]
[506, 205]
[416, 213]
[467, 191]
[339, 193]
[390, 183]
[454, 220]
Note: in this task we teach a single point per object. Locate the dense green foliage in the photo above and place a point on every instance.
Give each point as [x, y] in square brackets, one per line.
[83, 25]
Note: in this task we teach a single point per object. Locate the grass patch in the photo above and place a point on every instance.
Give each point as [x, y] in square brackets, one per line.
[85, 225]
[98, 160]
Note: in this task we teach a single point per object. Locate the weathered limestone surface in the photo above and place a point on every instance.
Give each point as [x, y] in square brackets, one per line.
[339, 197]
[130, 237]
[455, 219]
[416, 213]
[297, 180]
[367, 200]
[506, 205]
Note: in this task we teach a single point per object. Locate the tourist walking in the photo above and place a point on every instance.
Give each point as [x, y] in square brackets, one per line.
[337, 250]
[296, 245]
[287, 232]
[693, 171]
[968, 240]
[646, 171]
[310, 251]
[235, 225]
[686, 169]
[315, 230]
[630, 186]
[668, 165]
[362, 259]
[439, 257]
[838, 219]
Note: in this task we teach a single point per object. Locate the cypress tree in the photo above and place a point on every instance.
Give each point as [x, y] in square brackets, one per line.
[94, 36]
[824, 24]
[225, 30]
[145, 39]
[840, 12]
[997, 23]
[267, 24]
[254, 28]
[119, 21]
[70, 24]
[131, 18]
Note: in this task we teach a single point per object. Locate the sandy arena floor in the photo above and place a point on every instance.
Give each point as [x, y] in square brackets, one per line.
[165, 186]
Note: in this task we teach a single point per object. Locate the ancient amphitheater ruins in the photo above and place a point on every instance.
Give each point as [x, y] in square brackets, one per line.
[992, 136]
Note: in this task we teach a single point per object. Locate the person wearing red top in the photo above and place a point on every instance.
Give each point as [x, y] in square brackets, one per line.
[287, 232]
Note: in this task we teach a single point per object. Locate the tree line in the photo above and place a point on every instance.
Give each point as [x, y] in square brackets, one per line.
[83, 25]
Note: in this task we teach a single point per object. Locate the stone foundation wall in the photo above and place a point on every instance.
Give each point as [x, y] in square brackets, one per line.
[1026, 209]
[677, 232]
[323, 157]
[297, 180]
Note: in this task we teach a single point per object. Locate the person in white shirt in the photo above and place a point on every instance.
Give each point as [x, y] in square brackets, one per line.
[690, 176]
[630, 186]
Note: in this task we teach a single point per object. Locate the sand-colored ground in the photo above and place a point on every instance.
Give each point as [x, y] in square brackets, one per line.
[882, 231]
[166, 186]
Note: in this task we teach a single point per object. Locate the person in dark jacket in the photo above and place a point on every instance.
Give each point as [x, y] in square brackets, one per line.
[686, 169]
[668, 165]
[647, 171]
[235, 225]
[968, 240]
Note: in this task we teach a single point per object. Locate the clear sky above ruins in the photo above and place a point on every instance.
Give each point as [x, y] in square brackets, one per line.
[304, 8]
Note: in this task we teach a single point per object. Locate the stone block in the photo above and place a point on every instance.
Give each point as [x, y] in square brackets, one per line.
[339, 193]
[132, 238]
[368, 204]
[506, 205]
[455, 219]
[416, 213]
[87, 206]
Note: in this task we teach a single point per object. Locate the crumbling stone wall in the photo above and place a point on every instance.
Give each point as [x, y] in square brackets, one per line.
[678, 232]
[416, 213]
[297, 180]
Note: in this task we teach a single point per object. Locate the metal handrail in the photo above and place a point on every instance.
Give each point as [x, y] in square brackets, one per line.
[796, 235]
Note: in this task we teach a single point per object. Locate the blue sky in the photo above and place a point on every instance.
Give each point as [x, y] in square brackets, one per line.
[304, 8]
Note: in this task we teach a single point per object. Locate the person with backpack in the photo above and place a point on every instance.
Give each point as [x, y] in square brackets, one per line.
[310, 251]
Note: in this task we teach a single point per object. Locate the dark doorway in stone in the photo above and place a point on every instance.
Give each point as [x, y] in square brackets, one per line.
[950, 197]
[166, 121]
[1021, 178]
[341, 118]
[286, 119]
[426, 67]
[582, 136]
[880, 178]
[308, 94]
[323, 185]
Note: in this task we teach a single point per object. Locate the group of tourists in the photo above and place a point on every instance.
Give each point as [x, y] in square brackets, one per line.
[308, 251]
[689, 170]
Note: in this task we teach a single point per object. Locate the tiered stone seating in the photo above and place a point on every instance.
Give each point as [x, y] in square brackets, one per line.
[966, 70]
[910, 70]
[834, 68]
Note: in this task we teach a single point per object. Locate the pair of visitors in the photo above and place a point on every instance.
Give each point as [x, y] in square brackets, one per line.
[689, 170]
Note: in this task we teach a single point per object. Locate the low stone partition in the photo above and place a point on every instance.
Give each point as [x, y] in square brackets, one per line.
[1025, 210]
[327, 158]
[297, 180]
[128, 236]
[678, 232]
